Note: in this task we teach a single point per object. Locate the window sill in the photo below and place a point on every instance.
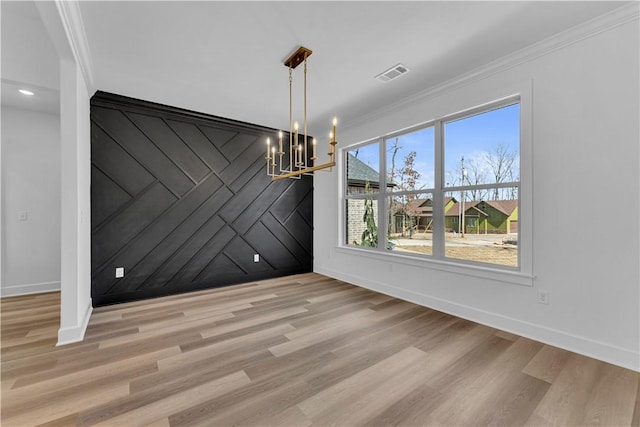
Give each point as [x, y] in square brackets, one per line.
[482, 272]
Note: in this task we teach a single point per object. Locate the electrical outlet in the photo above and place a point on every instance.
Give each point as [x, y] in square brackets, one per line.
[119, 272]
[23, 216]
[543, 297]
[256, 257]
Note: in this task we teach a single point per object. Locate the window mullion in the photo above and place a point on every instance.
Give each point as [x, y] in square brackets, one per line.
[438, 193]
[483, 186]
[382, 197]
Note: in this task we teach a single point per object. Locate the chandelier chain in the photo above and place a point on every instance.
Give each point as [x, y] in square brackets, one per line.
[290, 118]
[305, 111]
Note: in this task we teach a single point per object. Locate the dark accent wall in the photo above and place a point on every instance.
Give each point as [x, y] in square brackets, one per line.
[181, 200]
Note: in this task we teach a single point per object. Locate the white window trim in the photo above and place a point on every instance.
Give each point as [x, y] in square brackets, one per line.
[524, 274]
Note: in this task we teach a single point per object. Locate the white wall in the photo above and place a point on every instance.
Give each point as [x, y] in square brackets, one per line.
[585, 203]
[75, 307]
[31, 184]
[64, 25]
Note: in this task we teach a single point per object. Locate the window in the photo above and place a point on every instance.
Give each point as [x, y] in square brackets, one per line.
[448, 190]
[363, 176]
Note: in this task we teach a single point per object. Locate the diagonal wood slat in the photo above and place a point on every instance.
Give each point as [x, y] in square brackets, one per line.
[179, 199]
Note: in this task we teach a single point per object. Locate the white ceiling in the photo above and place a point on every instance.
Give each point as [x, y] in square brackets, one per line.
[29, 59]
[225, 58]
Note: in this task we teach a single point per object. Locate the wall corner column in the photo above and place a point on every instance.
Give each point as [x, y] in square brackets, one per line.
[75, 303]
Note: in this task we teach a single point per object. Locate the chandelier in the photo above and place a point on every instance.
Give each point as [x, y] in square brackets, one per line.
[299, 162]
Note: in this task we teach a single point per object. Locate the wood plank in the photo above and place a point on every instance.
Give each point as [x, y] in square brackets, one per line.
[266, 397]
[69, 420]
[305, 338]
[190, 375]
[156, 129]
[161, 409]
[612, 398]
[636, 411]
[64, 406]
[547, 364]
[339, 355]
[32, 386]
[507, 335]
[412, 410]
[190, 133]
[379, 397]
[259, 339]
[565, 402]
[323, 403]
[480, 396]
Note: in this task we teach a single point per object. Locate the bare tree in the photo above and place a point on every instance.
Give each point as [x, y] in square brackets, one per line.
[501, 161]
[452, 178]
[476, 175]
[512, 193]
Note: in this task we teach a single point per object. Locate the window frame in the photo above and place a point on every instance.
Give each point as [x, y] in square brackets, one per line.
[523, 273]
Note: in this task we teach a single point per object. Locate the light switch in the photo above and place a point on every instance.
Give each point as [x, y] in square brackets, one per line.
[119, 272]
[22, 216]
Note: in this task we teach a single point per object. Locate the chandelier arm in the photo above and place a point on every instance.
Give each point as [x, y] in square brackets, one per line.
[303, 171]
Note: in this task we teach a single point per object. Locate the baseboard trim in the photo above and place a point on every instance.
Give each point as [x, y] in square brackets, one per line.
[29, 288]
[71, 334]
[578, 344]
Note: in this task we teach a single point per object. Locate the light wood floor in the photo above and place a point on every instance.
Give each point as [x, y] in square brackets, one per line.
[297, 351]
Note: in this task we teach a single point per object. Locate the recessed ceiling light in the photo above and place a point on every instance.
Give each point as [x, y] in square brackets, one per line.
[26, 92]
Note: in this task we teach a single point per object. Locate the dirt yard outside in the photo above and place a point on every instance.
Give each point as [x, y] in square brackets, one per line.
[502, 255]
[479, 248]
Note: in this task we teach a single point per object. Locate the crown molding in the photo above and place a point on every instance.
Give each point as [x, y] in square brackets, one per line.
[617, 17]
[71, 18]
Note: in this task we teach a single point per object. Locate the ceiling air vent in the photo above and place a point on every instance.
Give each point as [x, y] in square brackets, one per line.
[392, 73]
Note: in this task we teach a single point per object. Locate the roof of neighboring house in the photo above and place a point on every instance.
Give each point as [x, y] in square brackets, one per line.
[416, 207]
[505, 206]
[359, 173]
[480, 211]
[454, 210]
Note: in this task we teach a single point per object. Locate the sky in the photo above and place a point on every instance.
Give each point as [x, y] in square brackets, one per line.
[471, 137]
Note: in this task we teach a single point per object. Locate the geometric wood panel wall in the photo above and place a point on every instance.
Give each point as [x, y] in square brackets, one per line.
[181, 200]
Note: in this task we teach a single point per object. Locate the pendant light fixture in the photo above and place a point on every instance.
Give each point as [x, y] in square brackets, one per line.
[298, 146]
